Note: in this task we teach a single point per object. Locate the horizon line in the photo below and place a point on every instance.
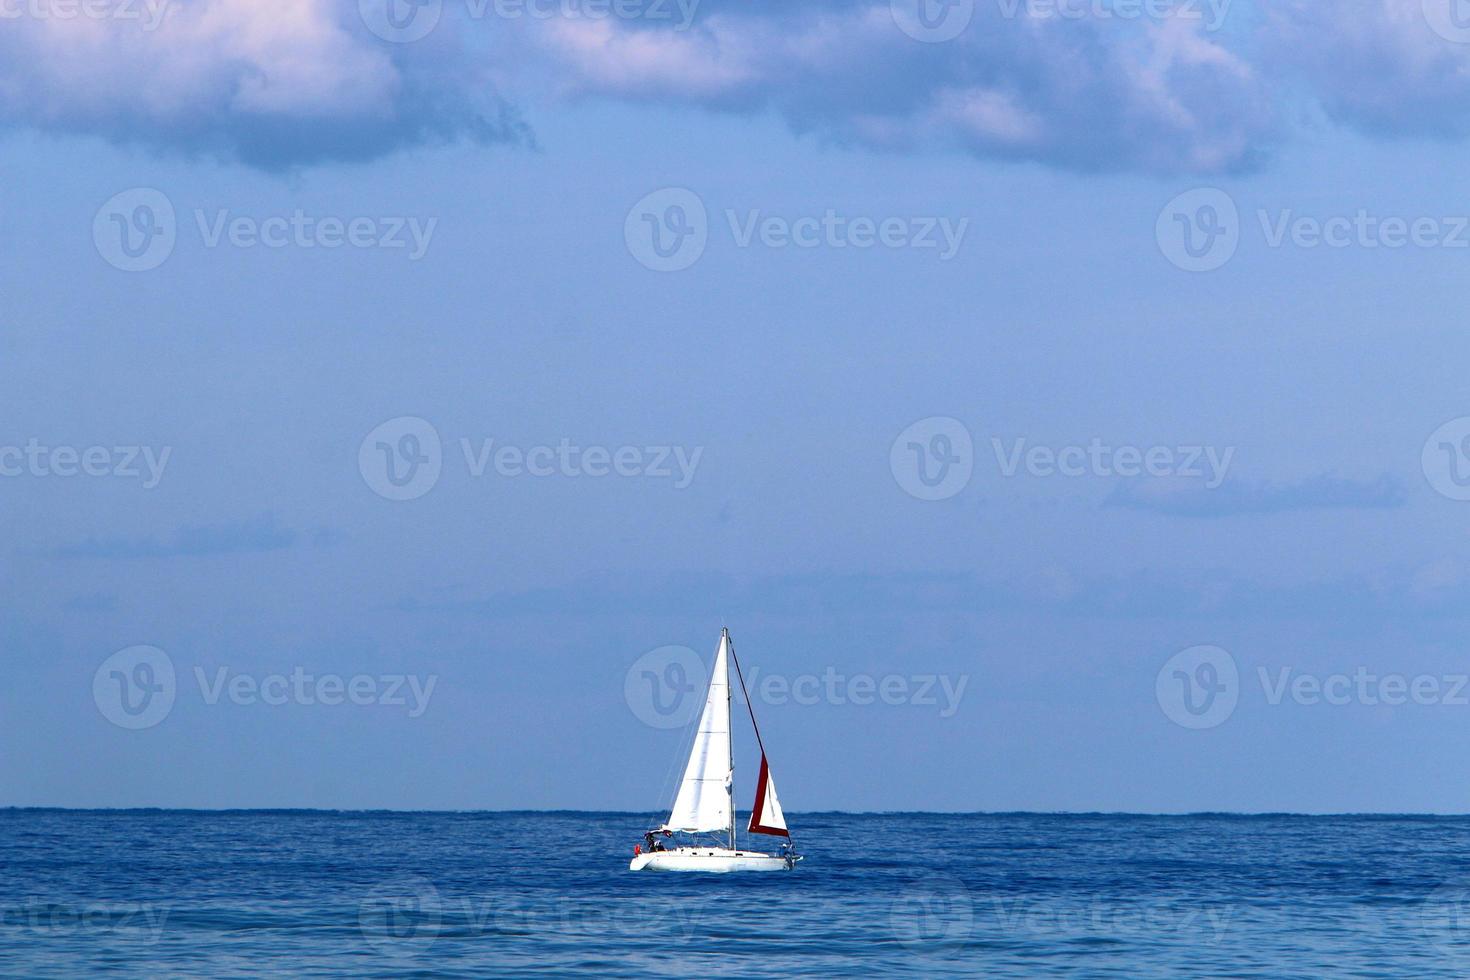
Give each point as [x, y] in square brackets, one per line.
[1173, 814]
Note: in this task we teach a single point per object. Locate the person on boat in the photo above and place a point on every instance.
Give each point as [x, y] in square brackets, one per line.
[654, 844]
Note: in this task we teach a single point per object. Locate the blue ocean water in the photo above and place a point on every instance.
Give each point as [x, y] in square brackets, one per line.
[268, 893]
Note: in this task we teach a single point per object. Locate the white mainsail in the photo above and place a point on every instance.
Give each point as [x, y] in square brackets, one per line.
[703, 803]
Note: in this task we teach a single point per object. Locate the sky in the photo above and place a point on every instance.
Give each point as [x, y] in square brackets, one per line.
[1063, 404]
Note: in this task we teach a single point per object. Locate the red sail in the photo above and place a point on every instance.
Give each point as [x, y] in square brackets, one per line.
[765, 815]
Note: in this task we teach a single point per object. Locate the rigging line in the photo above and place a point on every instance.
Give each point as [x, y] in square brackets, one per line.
[749, 706]
[677, 763]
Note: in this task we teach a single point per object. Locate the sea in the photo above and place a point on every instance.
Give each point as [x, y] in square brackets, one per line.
[164, 893]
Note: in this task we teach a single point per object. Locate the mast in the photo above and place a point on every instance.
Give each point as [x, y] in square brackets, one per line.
[730, 742]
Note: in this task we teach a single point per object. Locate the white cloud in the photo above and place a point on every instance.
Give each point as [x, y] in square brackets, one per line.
[273, 81]
[284, 82]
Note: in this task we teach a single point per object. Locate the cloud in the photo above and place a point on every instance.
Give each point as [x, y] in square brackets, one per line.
[274, 83]
[280, 83]
[1378, 66]
[262, 533]
[284, 83]
[1087, 93]
[1191, 498]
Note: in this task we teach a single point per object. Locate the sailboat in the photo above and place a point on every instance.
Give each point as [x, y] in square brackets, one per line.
[705, 802]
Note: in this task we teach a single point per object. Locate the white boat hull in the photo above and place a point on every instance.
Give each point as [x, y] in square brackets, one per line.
[709, 859]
